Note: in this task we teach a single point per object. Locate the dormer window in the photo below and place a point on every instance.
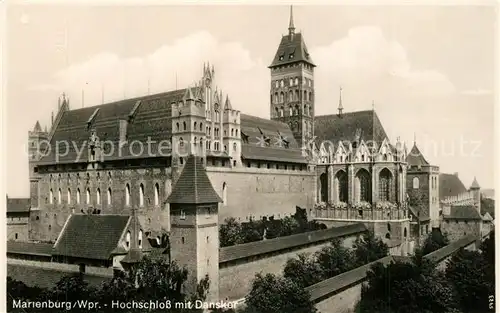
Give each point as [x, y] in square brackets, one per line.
[291, 56]
[282, 57]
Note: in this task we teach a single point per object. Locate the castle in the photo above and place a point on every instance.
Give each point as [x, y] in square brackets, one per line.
[136, 155]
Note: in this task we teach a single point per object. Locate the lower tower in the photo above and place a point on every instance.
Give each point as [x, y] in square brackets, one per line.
[194, 232]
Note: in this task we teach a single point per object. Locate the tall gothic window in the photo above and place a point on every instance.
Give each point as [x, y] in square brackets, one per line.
[127, 195]
[98, 196]
[78, 196]
[141, 195]
[59, 196]
[416, 183]
[157, 194]
[69, 196]
[384, 188]
[290, 111]
[51, 195]
[365, 191]
[324, 187]
[88, 195]
[342, 186]
[109, 196]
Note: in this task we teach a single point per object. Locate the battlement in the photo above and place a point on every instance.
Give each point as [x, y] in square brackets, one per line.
[466, 198]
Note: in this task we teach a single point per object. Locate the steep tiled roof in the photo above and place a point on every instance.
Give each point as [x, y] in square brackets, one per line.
[415, 157]
[255, 149]
[246, 250]
[29, 248]
[91, 236]
[152, 120]
[346, 127]
[450, 185]
[423, 216]
[439, 255]
[18, 205]
[193, 185]
[463, 212]
[335, 284]
[291, 49]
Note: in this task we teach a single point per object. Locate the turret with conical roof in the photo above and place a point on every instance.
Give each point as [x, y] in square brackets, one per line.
[194, 234]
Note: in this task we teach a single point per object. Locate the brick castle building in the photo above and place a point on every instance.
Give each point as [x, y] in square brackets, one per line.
[115, 157]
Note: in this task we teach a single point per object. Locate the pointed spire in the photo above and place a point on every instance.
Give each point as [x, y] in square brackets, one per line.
[291, 26]
[228, 105]
[414, 139]
[341, 108]
[37, 127]
[373, 105]
[475, 184]
[189, 94]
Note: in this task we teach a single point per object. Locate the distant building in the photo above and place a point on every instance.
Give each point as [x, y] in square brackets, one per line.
[461, 214]
[18, 213]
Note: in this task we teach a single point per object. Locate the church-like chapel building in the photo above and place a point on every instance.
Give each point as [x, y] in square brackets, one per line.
[115, 157]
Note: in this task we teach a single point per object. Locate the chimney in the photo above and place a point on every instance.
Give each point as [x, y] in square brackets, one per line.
[123, 131]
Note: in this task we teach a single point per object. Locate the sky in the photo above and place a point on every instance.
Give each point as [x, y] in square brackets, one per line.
[428, 70]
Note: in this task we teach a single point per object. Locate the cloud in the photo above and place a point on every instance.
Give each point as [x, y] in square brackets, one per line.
[476, 92]
[178, 64]
[366, 59]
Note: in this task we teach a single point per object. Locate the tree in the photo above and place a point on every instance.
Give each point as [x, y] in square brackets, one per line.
[417, 199]
[304, 270]
[274, 294]
[468, 272]
[368, 248]
[435, 241]
[289, 226]
[488, 205]
[334, 259]
[252, 231]
[230, 233]
[406, 287]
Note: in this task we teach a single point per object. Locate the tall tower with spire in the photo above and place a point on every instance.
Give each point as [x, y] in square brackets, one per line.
[37, 142]
[292, 85]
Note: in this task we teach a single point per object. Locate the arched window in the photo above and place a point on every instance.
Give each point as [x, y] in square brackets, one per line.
[51, 196]
[139, 239]
[282, 83]
[388, 227]
[290, 111]
[69, 196]
[157, 194]
[194, 141]
[306, 111]
[184, 125]
[385, 178]
[282, 111]
[88, 196]
[297, 95]
[224, 193]
[297, 110]
[291, 81]
[195, 125]
[59, 196]
[276, 97]
[310, 96]
[177, 124]
[342, 186]
[127, 194]
[127, 240]
[277, 112]
[416, 183]
[324, 187]
[141, 195]
[235, 147]
[282, 97]
[78, 196]
[98, 196]
[181, 142]
[405, 233]
[201, 127]
[109, 196]
[296, 81]
[364, 186]
[305, 95]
